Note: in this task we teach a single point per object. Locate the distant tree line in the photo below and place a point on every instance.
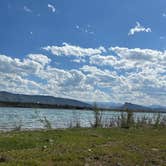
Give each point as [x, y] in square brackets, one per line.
[39, 105]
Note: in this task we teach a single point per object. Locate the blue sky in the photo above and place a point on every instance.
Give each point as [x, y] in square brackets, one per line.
[109, 50]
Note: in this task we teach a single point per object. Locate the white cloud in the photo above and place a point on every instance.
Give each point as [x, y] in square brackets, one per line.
[85, 29]
[79, 60]
[27, 9]
[32, 64]
[118, 75]
[138, 28]
[72, 50]
[131, 59]
[142, 71]
[42, 59]
[52, 7]
[142, 55]
[17, 75]
[101, 60]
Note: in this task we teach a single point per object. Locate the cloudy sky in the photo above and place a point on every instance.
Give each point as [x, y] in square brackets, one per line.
[91, 50]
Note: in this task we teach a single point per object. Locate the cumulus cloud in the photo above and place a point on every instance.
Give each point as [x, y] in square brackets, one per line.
[79, 60]
[103, 60]
[139, 54]
[35, 75]
[52, 7]
[27, 9]
[72, 50]
[32, 64]
[42, 59]
[15, 73]
[138, 28]
[119, 74]
[142, 71]
[136, 58]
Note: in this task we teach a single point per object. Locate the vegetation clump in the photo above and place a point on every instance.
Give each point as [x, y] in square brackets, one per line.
[98, 115]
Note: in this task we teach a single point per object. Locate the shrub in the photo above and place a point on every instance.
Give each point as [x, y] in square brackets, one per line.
[98, 114]
[126, 120]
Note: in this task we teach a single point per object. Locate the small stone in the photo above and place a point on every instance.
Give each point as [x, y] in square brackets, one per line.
[155, 149]
[118, 164]
[44, 147]
[51, 141]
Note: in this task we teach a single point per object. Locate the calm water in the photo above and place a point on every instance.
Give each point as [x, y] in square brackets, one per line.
[30, 118]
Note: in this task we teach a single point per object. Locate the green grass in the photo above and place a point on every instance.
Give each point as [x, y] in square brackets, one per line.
[115, 146]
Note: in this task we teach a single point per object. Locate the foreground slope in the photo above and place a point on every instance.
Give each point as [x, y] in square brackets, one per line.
[84, 147]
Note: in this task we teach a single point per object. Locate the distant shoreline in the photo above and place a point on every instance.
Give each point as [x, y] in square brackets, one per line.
[39, 105]
[48, 106]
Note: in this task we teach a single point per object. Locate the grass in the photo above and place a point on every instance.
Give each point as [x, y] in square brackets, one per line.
[90, 146]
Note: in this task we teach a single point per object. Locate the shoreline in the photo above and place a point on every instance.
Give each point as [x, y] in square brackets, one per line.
[46, 106]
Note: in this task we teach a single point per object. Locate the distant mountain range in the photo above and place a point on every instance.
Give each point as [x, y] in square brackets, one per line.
[39, 101]
[19, 100]
[131, 107]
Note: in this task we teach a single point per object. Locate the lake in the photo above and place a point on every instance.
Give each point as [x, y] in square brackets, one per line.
[31, 118]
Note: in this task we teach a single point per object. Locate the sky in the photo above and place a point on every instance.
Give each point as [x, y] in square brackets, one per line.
[89, 50]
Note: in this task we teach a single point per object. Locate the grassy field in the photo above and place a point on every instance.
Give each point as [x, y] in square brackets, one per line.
[115, 146]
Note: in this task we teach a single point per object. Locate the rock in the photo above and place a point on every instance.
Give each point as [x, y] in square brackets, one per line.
[118, 164]
[155, 149]
[44, 147]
